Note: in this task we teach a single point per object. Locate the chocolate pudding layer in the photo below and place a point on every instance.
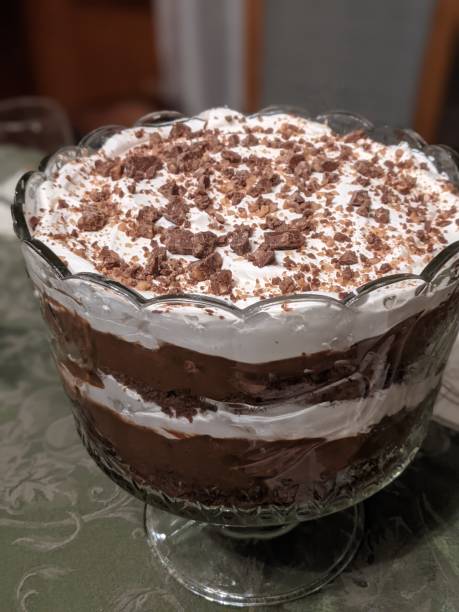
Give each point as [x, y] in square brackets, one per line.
[242, 481]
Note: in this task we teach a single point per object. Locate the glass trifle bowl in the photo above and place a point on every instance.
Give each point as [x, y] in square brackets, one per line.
[251, 432]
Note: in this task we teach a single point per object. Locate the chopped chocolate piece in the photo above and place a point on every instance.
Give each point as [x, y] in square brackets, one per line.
[179, 241]
[112, 168]
[281, 240]
[61, 203]
[109, 258]
[405, 184]
[294, 160]
[203, 184]
[262, 257]
[202, 201]
[204, 269]
[340, 237]
[348, 258]
[239, 241]
[382, 215]
[374, 242]
[203, 243]
[231, 156]
[385, 267]
[250, 140]
[221, 283]
[176, 210]
[272, 222]
[157, 256]
[369, 169]
[140, 167]
[287, 285]
[146, 219]
[233, 140]
[170, 189]
[329, 165]
[180, 130]
[92, 220]
[236, 197]
[360, 198]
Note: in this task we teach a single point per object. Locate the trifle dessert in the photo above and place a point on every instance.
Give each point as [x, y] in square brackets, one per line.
[251, 314]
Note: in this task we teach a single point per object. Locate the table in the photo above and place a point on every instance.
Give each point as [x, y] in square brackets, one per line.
[72, 541]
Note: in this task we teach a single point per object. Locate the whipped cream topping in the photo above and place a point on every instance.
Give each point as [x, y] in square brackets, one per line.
[285, 421]
[246, 208]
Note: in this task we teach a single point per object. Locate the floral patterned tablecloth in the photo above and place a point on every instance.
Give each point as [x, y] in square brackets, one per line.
[72, 541]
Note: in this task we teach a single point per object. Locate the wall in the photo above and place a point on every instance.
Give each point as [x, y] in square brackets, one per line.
[359, 55]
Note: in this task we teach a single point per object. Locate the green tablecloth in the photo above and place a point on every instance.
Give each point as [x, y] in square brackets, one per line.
[72, 541]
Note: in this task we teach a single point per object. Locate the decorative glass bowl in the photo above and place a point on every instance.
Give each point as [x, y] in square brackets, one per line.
[253, 498]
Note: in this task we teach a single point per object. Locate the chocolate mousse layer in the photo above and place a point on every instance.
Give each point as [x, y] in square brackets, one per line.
[184, 382]
[241, 473]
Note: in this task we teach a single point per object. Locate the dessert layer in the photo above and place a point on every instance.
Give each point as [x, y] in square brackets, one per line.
[184, 382]
[241, 472]
[331, 420]
[246, 208]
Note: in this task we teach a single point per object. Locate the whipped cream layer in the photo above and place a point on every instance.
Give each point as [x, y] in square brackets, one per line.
[291, 207]
[286, 421]
[271, 333]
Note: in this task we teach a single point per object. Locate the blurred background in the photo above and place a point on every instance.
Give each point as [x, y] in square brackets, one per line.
[69, 66]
